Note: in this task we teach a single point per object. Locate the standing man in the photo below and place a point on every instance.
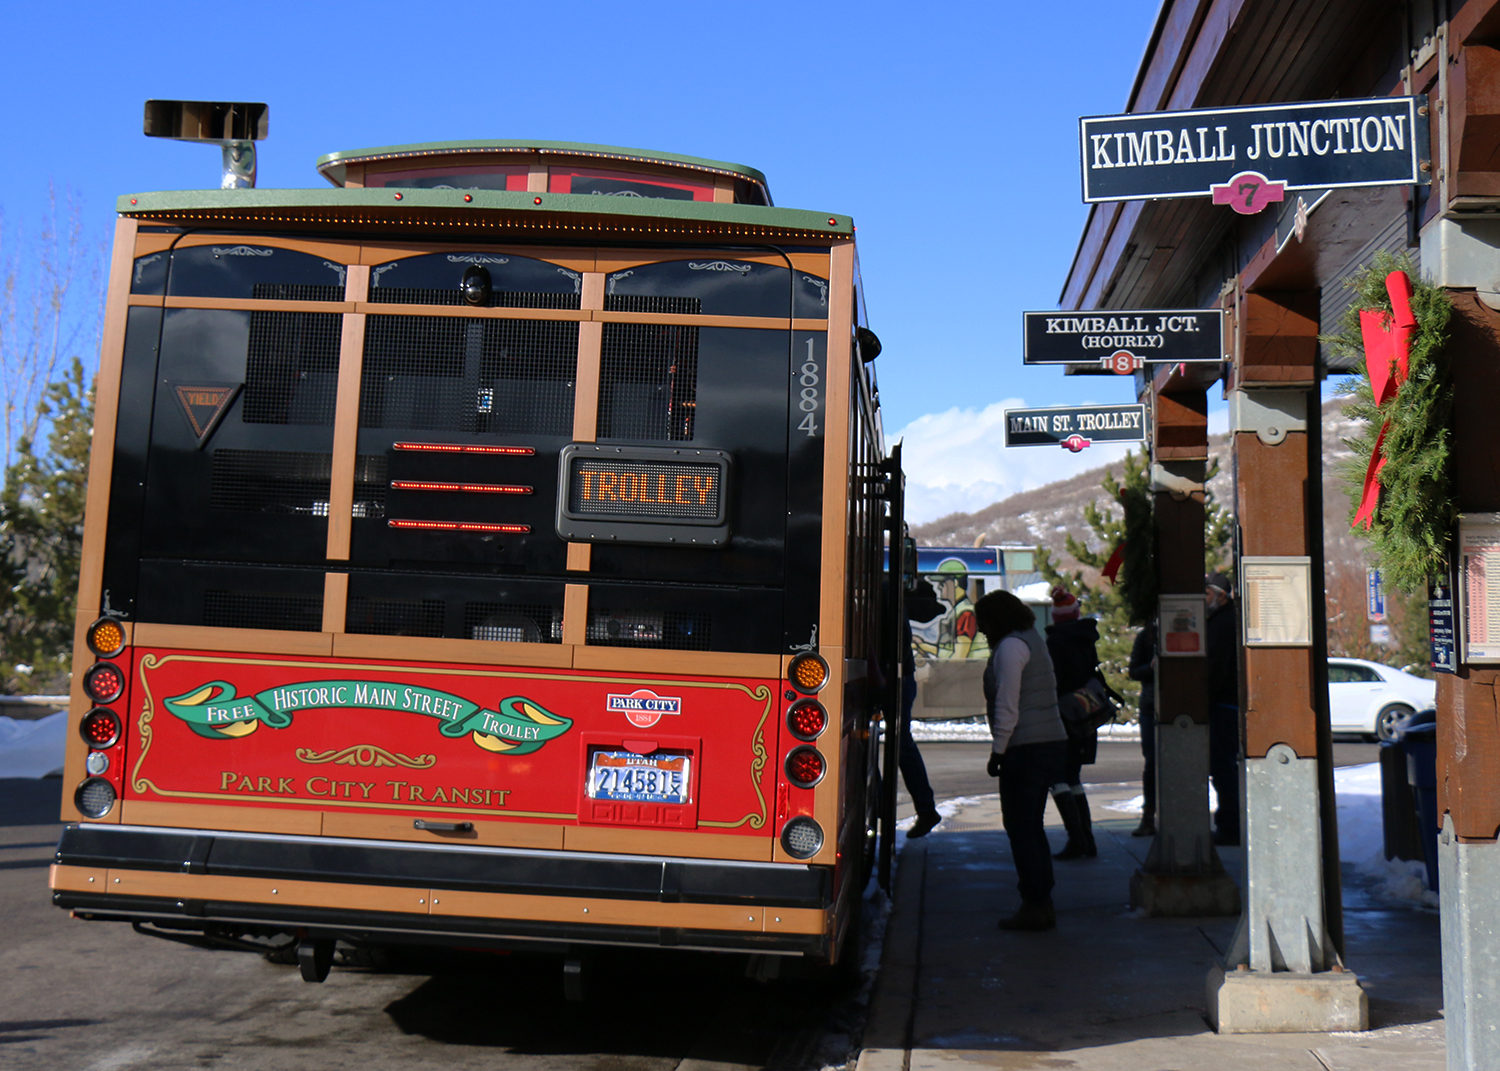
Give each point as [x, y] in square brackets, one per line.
[1222, 646]
[921, 605]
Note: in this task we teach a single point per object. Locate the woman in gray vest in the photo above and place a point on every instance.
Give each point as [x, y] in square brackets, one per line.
[1029, 748]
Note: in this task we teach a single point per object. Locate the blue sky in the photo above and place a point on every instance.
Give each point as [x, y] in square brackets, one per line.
[949, 134]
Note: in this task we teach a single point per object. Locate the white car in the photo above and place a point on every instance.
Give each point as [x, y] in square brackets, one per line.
[1370, 698]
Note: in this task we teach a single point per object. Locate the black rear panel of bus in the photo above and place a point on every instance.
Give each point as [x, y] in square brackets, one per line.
[224, 448]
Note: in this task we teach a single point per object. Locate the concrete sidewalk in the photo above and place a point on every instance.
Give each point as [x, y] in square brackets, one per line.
[1108, 990]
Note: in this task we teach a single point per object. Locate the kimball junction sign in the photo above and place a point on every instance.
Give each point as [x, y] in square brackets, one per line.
[1123, 341]
[1075, 427]
[1248, 157]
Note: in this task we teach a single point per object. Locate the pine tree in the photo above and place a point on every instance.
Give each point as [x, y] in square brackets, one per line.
[41, 540]
[1130, 602]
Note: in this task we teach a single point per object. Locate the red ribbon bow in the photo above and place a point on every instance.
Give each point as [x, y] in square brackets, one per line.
[1387, 338]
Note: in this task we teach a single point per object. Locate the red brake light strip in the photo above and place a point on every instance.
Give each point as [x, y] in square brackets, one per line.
[460, 526]
[462, 448]
[473, 488]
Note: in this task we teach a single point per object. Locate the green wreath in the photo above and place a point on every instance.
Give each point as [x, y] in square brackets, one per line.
[1411, 524]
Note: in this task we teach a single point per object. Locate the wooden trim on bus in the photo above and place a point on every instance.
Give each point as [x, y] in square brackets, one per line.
[252, 304]
[468, 311]
[503, 834]
[586, 380]
[678, 843]
[338, 252]
[77, 878]
[601, 911]
[836, 428]
[345, 435]
[106, 414]
[249, 640]
[385, 252]
[450, 903]
[479, 653]
[335, 601]
[536, 178]
[763, 323]
[329, 894]
[575, 615]
[155, 300]
[592, 296]
[354, 176]
[656, 661]
[580, 557]
[724, 189]
[267, 819]
[146, 244]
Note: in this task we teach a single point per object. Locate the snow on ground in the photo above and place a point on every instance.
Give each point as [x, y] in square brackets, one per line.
[1361, 834]
[976, 729]
[33, 748]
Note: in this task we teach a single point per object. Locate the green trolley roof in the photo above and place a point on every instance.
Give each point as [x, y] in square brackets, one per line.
[332, 166]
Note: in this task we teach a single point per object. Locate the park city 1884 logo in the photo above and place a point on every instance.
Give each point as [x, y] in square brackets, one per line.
[643, 707]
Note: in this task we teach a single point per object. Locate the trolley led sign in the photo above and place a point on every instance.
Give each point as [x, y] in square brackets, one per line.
[1248, 157]
[1077, 427]
[1122, 341]
[643, 494]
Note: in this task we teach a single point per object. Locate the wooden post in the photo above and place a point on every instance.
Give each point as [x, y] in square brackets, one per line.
[1183, 874]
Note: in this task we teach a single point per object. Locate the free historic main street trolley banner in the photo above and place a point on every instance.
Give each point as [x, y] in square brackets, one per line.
[1123, 340]
[1075, 427]
[1246, 157]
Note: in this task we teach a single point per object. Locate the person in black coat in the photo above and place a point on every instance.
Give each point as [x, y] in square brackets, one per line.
[1072, 642]
[1143, 669]
[1222, 646]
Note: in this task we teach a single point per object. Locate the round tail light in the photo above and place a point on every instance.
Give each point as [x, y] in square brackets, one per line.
[104, 682]
[805, 767]
[808, 673]
[802, 837]
[95, 797]
[100, 728]
[106, 637]
[807, 720]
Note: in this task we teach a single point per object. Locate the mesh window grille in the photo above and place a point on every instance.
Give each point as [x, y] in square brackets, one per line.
[686, 306]
[296, 292]
[287, 481]
[292, 367]
[258, 609]
[394, 617]
[469, 375]
[513, 622]
[499, 299]
[648, 382]
[669, 629]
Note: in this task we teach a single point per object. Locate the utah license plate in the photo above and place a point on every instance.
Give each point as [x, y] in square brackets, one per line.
[624, 775]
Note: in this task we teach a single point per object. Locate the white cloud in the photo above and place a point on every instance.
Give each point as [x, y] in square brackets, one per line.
[1218, 420]
[956, 461]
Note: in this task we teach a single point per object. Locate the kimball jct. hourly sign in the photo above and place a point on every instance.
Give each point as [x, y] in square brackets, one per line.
[1123, 340]
[1075, 427]
[1246, 157]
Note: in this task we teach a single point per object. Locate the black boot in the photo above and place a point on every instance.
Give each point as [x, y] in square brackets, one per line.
[1085, 824]
[1147, 828]
[1035, 916]
[1067, 806]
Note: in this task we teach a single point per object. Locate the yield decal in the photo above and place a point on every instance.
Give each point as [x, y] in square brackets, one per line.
[643, 707]
[205, 406]
[519, 727]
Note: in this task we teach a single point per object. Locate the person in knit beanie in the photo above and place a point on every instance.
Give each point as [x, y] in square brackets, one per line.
[1072, 643]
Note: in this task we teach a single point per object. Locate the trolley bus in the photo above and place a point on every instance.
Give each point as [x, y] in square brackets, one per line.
[484, 550]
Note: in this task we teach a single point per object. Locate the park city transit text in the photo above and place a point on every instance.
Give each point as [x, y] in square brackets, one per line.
[321, 787]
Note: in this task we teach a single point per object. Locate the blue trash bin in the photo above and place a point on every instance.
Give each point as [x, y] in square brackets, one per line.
[1419, 737]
